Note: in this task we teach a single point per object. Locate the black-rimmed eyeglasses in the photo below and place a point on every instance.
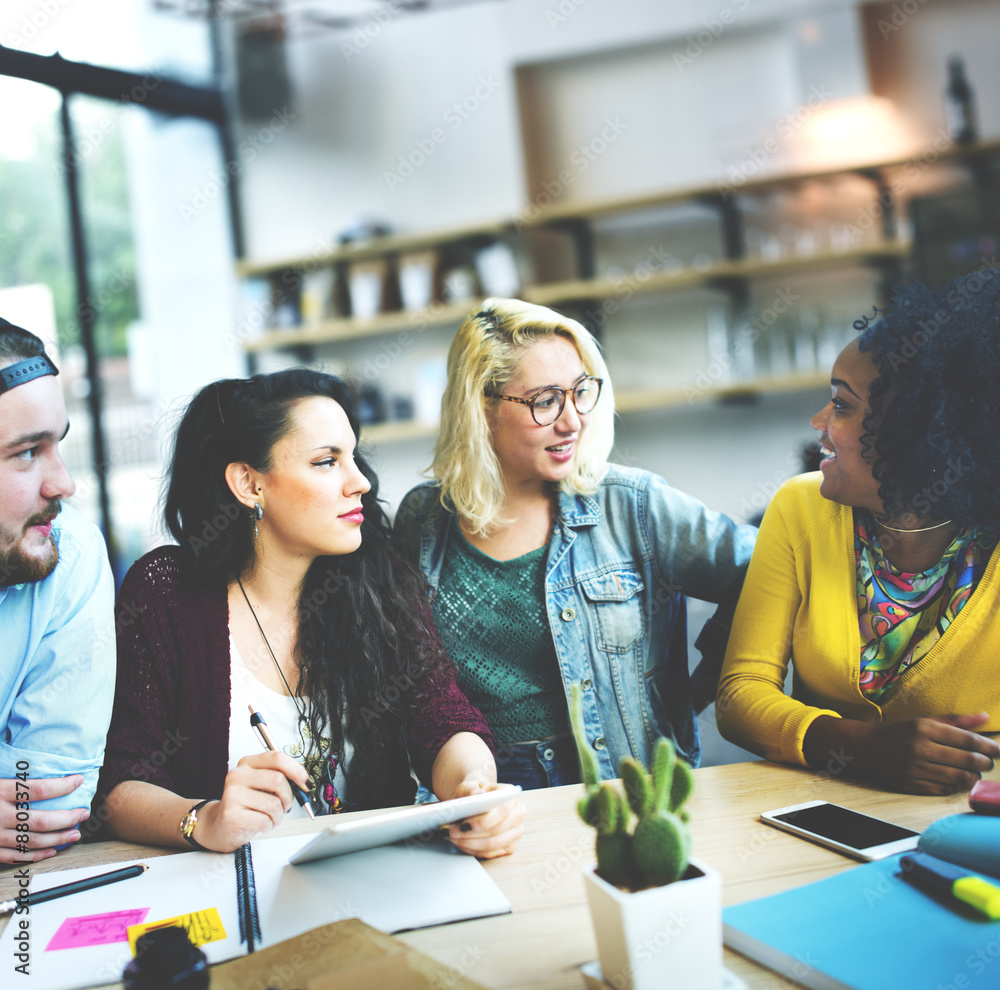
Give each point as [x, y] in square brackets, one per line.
[547, 405]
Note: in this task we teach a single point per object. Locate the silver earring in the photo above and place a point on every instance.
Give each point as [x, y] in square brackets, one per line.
[257, 512]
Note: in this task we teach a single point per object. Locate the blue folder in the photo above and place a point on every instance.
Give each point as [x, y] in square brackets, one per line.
[867, 929]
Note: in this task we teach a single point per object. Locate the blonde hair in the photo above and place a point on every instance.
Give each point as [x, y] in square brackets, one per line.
[483, 358]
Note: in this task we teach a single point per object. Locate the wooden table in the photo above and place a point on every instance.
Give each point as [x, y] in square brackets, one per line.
[548, 935]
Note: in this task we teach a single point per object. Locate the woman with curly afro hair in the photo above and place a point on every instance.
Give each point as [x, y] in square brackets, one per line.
[876, 578]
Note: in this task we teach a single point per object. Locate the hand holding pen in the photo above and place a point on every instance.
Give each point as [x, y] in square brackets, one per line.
[256, 796]
[257, 723]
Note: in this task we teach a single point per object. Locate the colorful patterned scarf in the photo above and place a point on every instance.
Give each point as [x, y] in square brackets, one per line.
[901, 616]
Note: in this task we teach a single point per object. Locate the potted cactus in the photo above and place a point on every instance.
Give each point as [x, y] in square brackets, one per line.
[657, 914]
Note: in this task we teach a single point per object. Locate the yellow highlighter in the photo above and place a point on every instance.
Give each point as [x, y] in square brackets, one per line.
[935, 875]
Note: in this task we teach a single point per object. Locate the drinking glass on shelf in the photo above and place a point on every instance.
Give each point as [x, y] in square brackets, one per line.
[829, 340]
[317, 294]
[779, 348]
[770, 247]
[843, 237]
[805, 340]
[720, 358]
[496, 266]
[366, 283]
[417, 273]
[753, 238]
[741, 346]
[805, 242]
[460, 284]
[788, 235]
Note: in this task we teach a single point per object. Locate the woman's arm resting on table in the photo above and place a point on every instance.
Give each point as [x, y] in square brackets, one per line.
[254, 799]
[916, 756]
[465, 766]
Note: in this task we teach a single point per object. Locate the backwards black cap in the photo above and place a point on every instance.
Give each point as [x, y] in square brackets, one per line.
[26, 370]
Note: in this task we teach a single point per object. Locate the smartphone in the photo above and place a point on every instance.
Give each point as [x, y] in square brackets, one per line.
[848, 832]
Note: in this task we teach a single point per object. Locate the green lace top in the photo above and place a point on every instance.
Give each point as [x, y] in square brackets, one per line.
[490, 615]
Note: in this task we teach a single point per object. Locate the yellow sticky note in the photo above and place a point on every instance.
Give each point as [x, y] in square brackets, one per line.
[201, 927]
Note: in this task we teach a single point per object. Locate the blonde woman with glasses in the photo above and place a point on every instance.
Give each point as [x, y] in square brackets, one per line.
[548, 565]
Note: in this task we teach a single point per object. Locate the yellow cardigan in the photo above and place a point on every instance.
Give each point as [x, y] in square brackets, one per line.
[799, 602]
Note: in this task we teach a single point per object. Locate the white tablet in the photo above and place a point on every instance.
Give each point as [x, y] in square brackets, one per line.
[421, 820]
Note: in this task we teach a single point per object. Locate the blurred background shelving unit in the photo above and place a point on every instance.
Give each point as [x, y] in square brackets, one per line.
[744, 255]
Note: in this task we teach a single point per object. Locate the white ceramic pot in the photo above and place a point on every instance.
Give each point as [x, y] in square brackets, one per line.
[661, 937]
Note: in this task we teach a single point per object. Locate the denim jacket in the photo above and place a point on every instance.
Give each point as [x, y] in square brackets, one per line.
[619, 565]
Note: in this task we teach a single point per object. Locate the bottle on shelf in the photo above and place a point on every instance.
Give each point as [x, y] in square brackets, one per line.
[959, 104]
[286, 299]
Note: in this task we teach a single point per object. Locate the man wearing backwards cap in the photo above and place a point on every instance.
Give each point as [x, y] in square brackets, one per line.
[57, 652]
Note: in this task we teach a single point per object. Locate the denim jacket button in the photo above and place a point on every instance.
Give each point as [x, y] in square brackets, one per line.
[568, 614]
[599, 743]
[586, 684]
[549, 754]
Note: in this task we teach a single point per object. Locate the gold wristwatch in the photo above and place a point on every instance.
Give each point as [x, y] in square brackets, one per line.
[189, 821]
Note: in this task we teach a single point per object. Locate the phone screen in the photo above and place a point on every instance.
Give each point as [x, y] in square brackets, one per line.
[850, 828]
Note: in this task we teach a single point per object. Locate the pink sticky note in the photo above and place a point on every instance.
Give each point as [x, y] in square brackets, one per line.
[96, 929]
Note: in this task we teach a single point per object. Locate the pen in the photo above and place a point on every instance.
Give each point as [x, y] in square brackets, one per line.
[75, 887]
[257, 723]
[933, 874]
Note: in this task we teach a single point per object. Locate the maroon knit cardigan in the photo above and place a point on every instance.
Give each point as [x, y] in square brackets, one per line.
[170, 724]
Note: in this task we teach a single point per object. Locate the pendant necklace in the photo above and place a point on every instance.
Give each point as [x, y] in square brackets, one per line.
[281, 673]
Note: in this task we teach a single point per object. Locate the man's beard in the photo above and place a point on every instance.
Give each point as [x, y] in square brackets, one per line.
[18, 567]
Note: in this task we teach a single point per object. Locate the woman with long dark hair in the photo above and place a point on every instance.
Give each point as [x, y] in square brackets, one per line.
[284, 594]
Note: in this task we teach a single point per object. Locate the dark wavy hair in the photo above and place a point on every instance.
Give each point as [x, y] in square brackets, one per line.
[18, 344]
[933, 430]
[364, 634]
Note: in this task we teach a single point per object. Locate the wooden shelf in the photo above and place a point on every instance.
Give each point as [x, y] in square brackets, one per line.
[687, 395]
[554, 293]
[561, 212]
[689, 278]
[647, 400]
[377, 247]
[398, 431]
[330, 331]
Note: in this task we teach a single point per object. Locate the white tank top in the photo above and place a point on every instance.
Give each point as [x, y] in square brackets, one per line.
[282, 717]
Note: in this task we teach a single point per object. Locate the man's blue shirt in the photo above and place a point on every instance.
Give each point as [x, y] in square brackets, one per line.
[57, 678]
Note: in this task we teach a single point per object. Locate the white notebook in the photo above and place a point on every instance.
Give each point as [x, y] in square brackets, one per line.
[393, 888]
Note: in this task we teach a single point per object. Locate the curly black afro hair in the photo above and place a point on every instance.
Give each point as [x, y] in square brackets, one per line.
[933, 432]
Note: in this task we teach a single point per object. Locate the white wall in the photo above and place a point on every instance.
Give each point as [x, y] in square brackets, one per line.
[360, 106]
